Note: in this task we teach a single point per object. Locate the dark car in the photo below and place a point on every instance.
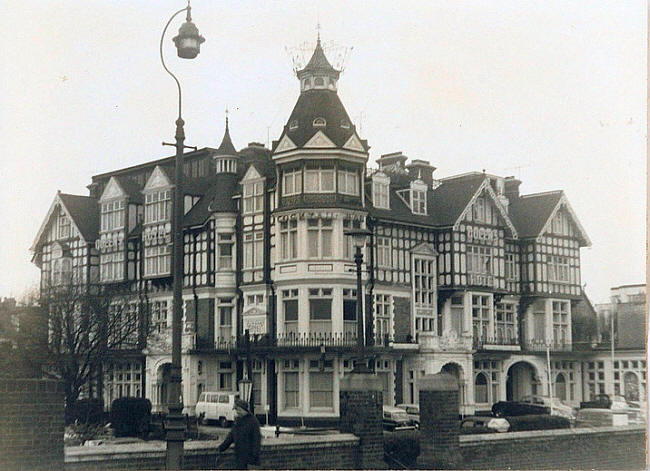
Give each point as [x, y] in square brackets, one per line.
[599, 401]
[515, 408]
[395, 418]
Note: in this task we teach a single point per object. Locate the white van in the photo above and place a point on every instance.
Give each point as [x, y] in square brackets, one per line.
[218, 405]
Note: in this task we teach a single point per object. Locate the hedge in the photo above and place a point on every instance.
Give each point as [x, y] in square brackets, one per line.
[85, 411]
[537, 422]
[131, 416]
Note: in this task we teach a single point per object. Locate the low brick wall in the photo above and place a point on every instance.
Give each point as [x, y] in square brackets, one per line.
[31, 424]
[337, 451]
[581, 448]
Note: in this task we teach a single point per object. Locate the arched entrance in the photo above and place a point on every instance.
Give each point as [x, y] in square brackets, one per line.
[521, 381]
[163, 378]
[631, 384]
[455, 370]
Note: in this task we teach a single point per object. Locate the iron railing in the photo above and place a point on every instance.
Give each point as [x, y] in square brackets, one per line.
[480, 342]
[536, 345]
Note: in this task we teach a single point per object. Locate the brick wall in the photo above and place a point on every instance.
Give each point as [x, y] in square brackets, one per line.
[31, 424]
[361, 402]
[600, 448]
[300, 452]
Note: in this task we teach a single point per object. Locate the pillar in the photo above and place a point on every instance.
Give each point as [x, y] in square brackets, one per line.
[360, 409]
[439, 423]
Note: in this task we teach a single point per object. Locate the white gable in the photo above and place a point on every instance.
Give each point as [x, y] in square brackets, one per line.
[112, 190]
[424, 249]
[485, 187]
[320, 140]
[354, 144]
[251, 174]
[285, 144]
[158, 179]
[564, 203]
[51, 213]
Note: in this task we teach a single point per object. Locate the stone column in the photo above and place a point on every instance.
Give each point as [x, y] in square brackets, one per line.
[439, 423]
[360, 409]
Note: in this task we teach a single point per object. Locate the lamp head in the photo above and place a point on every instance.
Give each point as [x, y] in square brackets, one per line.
[188, 42]
[359, 236]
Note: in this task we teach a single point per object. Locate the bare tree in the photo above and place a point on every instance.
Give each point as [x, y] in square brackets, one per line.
[85, 324]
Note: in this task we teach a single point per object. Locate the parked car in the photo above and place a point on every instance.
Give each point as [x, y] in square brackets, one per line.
[483, 424]
[218, 405]
[559, 408]
[413, 412]
[513, 408]
[600, 417]
[395, 418]
[598, 401]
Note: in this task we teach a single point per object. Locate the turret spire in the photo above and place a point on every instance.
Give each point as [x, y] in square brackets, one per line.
[226, 147]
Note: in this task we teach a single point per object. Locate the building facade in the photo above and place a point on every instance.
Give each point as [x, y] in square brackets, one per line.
[462, 274]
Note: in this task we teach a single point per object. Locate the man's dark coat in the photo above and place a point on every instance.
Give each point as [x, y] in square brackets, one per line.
[245, 433]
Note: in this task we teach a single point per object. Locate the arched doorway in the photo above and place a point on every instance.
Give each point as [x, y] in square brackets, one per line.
[163, 378]
[521, 381]
[455, 370]
[560, 387]
[631, 384]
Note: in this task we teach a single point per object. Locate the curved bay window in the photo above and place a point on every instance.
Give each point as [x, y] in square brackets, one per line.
[320, 311]
[319, 178]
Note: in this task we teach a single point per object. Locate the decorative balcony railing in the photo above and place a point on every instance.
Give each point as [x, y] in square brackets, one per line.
[315, 339]
[431, 341]
[537, 345]
[493, 343]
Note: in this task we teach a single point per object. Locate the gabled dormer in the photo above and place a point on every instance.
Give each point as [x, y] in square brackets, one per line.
[112, 207]
[157, 232]
[380, 190]
[415, 196]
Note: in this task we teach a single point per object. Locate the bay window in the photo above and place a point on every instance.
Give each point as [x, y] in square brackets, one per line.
[253, 250]
[112, 215]
[292, 182]
[157, 260]
[224, 262]
[320, 311]
[291, 384]
[112, 266]
[319, 178]
[253, 197]
[157, 207]
[349, 313]
[505, 322]
[289, 240]
[560, 322]
[348, 182]
[383, 305]
[319, 238]
[558, 268]
[321, 385]
[159, 316]
[290, 308]
[224, 310]
[481, 316]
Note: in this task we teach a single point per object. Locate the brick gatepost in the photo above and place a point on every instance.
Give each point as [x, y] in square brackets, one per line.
[31, 424]
[361, 401]
[439, 425]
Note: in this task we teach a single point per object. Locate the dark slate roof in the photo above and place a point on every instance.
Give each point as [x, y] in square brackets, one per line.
[319, 103]
[318, 60]
[85, 213]
[449, 200]
[260, 157]
[226, 147]
[529, 213]
[445, 204]
[132, 189]
[217, 199]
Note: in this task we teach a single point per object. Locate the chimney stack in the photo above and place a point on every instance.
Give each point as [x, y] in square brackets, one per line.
[422, 170]
[511, 189]
[397, 159]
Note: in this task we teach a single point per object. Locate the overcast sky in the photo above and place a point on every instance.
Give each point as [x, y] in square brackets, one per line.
[552, 92]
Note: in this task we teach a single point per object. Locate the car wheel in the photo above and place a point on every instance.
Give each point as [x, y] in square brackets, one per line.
[223, 422]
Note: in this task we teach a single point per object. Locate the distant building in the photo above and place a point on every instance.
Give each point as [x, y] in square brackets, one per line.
[466, 275]
[626, 317]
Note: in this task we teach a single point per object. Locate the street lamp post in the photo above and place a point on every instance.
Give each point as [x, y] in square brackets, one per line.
[359, 237]
[188, 43]
[245, 384]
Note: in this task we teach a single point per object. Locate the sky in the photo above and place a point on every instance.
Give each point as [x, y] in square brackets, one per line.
[551, 92]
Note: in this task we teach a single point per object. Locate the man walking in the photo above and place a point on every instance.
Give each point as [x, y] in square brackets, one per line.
[245, 433]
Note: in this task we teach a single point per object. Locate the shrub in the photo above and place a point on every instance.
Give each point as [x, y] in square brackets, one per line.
[402, 448]
[78, 433]
[131, 416]
[537, 422]
[85, 411]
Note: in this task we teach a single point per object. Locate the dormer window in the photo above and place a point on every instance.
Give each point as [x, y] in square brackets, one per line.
[293, 125]
[319, 82]
[253, 199]
[319, 123]
[380, 191]
[419, 201]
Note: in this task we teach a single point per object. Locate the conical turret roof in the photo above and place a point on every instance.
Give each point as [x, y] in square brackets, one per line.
[226, 147]
[318, 60]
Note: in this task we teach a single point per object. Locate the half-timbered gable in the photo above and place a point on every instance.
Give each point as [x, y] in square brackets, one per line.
[64, 246]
